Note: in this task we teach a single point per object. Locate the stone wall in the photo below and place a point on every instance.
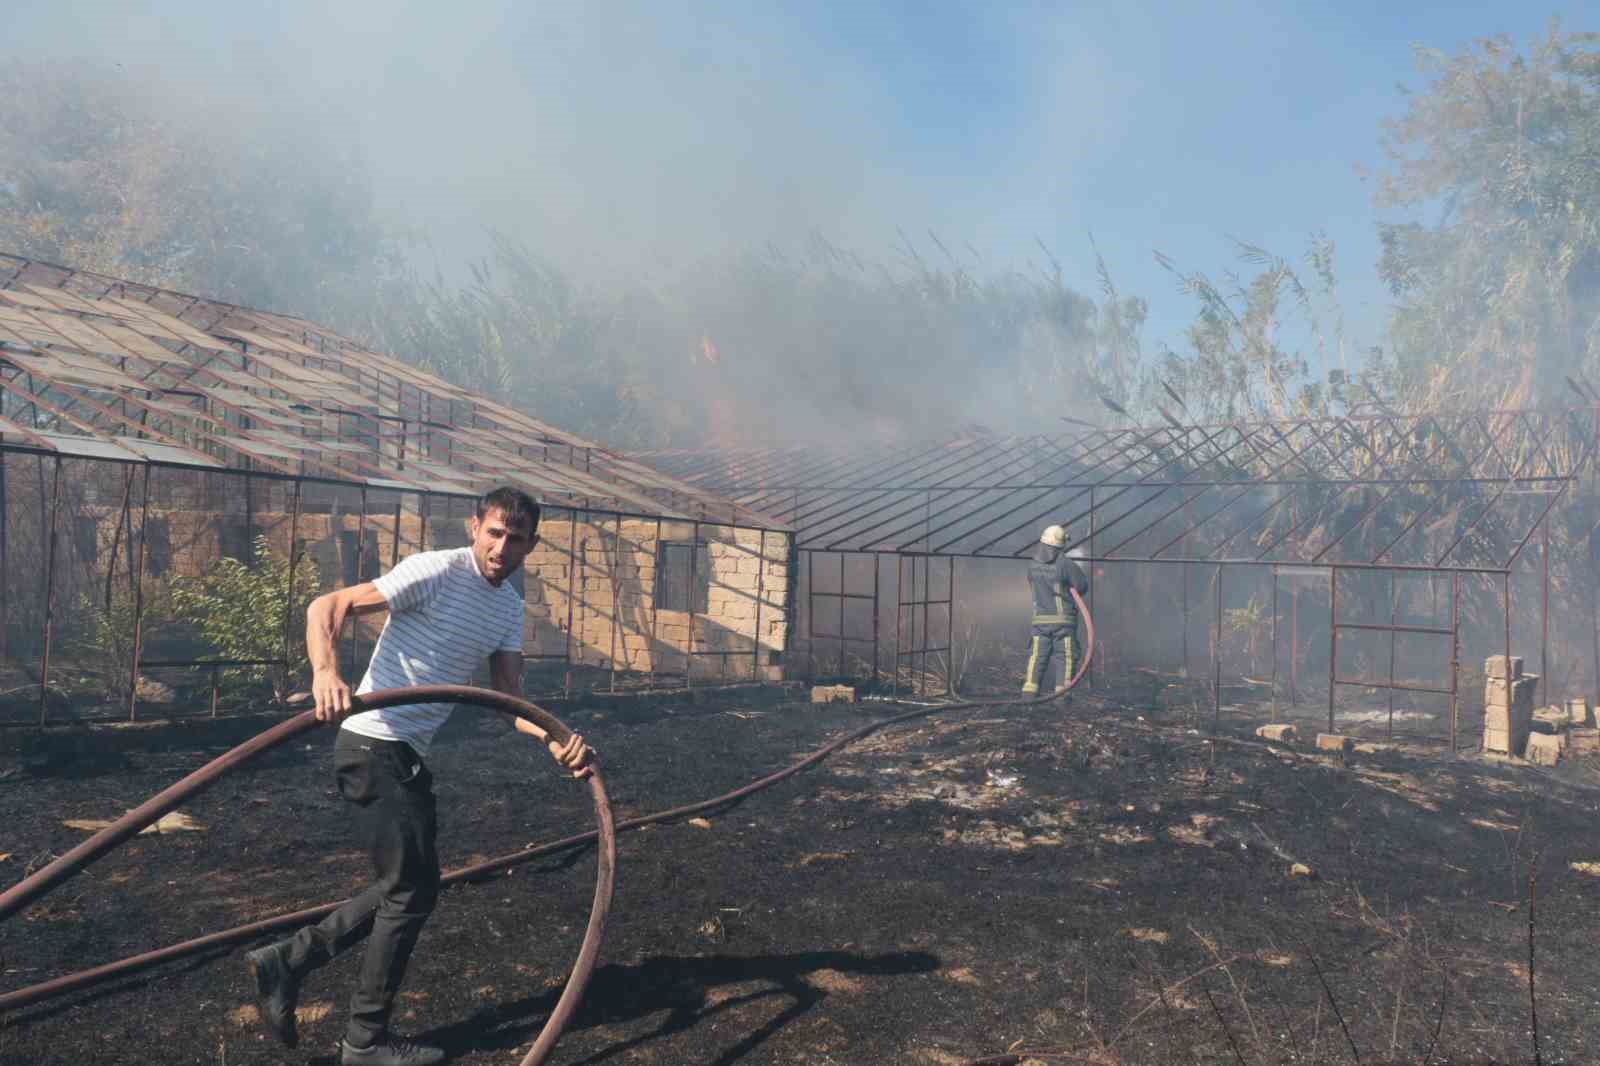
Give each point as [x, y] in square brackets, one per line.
[590, 588]
[596, 586]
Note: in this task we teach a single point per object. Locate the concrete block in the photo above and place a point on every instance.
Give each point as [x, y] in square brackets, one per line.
[1550, 720]
[1334, 742]
[1544, 749]
[833, 694]
[1508, 719]
[1501, 667]
[1284, 734]
[1500, 742]
[1583, 740]
[1578, 711]
[1501, 692]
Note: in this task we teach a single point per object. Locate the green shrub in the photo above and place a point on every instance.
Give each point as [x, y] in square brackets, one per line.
[239, 609]
[102, 640]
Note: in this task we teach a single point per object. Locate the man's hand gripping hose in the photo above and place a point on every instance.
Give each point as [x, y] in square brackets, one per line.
[24, 892]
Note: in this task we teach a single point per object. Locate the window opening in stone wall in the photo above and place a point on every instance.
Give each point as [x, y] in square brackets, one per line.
[676, 568]
[86, 536]
[358, 556]
[157, 546]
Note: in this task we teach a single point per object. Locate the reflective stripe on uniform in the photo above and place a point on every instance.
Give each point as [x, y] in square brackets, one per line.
[1033, 662]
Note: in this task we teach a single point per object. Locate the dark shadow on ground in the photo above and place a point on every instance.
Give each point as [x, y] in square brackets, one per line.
[681, 986]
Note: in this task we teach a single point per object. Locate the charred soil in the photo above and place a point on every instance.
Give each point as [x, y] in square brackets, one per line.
[1104, 879]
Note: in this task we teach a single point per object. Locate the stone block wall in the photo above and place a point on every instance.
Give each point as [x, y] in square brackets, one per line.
[1507, 705]
[596, 585]
[590, 588]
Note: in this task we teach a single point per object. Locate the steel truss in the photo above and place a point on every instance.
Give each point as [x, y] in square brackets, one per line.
[1457, 495]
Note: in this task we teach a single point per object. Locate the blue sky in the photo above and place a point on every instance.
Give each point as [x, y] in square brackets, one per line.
[631, 139]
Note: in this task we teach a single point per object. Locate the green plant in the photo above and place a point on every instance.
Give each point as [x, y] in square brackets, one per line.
[239, 609]
[1248, 624]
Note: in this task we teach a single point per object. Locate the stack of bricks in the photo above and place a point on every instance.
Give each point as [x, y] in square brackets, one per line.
[1507, 704]
[1582, 737]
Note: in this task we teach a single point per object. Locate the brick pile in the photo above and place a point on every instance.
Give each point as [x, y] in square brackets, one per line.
[1507, 705]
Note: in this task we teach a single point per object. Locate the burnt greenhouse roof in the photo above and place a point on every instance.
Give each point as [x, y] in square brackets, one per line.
[1433, 491]
[101, 368]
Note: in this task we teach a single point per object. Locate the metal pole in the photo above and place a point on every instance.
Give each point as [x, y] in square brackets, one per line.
[1455, 659]
[1505, 603]
[1092, 583]
[950, 633]
[1184, 596]
[249, 518]
[1394, 619]
[294, 564]
[616, 600]
[899, 597]
[1294, 646]
[1544, 609]
[138, 596]
[1185, 571]
[394, 549]
[655, 604]
[841, 615]
[875, 667]
[123, 515]
[694, 581]
[1216, 658]
[49, 587]
[1333, 638]
[361, 553]
[1274, 641]
[583, 581]
[572, 590]
[761, 573]
[927, 597]
[811, 614]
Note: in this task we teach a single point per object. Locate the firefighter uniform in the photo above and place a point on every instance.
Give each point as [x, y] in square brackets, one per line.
[1055, 614]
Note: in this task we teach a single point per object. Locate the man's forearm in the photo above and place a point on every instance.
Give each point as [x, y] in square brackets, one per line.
[512, 686]
[322, 622]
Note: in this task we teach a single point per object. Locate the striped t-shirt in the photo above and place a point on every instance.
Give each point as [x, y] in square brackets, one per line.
[444, 620]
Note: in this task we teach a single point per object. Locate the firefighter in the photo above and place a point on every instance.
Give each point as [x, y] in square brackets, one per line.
[1051, 574]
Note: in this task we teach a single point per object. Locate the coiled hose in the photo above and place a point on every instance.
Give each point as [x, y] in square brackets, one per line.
[42, 881]
[31, 888]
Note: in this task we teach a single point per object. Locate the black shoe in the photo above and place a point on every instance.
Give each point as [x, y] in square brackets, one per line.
[390, 1051]
[277, 991]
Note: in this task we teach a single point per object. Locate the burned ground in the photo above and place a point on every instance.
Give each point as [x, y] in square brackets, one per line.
[1105, 878]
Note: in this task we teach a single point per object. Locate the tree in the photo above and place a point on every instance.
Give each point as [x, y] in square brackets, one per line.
[1498, 297]
[1247, 357]
[108, 171]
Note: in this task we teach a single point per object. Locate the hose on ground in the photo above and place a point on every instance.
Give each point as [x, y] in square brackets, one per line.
[43, 880]
[242, 934]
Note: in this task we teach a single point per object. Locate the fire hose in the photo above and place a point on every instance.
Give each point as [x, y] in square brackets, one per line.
[43, 880]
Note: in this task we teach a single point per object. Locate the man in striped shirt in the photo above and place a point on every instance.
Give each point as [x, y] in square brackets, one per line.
[448, 611]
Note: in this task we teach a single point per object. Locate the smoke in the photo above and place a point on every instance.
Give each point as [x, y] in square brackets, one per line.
[688, 162]
[631, 137]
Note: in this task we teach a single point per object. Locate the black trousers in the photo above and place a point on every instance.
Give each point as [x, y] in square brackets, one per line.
[1047, 639]
[393, 793]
